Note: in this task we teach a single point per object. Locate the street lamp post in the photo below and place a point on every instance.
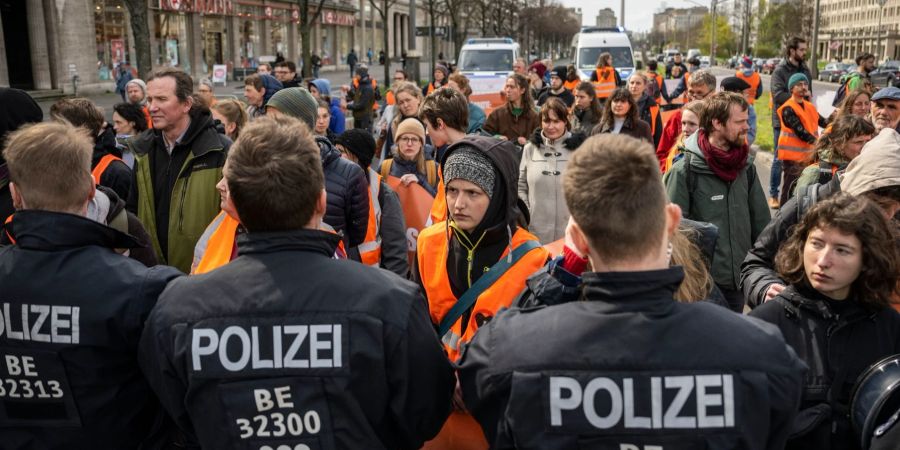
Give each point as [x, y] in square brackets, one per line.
[814, 59]
[880, 16]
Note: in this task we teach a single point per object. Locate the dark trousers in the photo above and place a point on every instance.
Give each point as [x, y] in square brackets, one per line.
[775, 173]
[791, 171]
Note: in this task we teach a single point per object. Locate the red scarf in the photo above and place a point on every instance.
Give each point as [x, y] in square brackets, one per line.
[726, 164]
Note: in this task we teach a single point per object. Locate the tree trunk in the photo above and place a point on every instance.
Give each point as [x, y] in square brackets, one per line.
[137, 9]
[305, 51]
[433, 46]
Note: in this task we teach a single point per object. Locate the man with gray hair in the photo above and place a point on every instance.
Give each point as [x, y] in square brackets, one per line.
[702, 84]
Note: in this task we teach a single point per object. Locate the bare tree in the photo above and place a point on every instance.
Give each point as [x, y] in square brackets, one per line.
[305, 27]
[383, 11]
[137, 9]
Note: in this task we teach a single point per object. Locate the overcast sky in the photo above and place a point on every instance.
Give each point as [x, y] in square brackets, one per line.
[638, 13]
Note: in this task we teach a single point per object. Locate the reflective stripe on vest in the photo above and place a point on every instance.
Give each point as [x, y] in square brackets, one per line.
[432, 250]
[219, 243]
[790, 146]
[104, 162]
[370, 249]
[606, 82]
[753, 81]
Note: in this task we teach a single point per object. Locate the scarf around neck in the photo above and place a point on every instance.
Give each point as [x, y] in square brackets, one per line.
[726, 164]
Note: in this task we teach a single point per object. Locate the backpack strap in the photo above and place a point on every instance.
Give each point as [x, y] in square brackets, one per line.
[386, 167]
[487, 280]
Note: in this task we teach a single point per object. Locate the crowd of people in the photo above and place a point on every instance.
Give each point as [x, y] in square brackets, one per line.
[565, 270]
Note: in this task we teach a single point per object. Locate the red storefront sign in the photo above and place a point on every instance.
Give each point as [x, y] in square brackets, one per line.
[336, 18]
[216, 7]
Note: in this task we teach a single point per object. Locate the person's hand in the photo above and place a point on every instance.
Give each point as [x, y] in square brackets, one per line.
[522, 140]
[409, 179]
[773, 290]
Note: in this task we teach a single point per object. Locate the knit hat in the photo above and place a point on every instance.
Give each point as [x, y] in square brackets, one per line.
[747, 62]
[362, 70]
[296, 102]
[205, 81]
[410, 126]
[796, 78]
[734, 84]
[470, 164]
[139, 83]
[539, 68]
[360, 143]
[559, 72]
[443, 69]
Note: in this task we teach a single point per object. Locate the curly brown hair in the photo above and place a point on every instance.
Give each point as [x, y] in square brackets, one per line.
[860, 217]
[845, 128]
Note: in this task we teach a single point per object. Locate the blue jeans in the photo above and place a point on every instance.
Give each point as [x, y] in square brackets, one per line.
[775, 174]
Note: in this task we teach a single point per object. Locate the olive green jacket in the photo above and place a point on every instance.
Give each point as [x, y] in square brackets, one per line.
[737, 208]
[194, 200]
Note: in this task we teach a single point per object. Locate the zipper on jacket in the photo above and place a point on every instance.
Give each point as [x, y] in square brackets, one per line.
[187, 183]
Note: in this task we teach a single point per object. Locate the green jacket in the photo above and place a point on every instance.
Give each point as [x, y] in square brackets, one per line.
[194, 199]
[738, 208]
[815, 173]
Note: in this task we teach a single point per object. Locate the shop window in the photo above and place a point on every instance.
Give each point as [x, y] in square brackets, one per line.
[111, 36]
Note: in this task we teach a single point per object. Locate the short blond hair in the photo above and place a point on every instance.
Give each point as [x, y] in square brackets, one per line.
[50, 164]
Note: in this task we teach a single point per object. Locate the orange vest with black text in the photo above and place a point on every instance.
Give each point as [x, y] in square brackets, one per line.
[370, 249]
[790, 146]
[432, 251]
[606, 81]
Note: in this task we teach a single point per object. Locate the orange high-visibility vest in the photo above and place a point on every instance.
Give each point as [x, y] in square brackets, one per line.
[606, 81]
[101, 166]
[687, 85]
[146, 110]
[790, 146]
[374, 87]
[432, 250]
[571, 85]
[439, 207]
[389, 97]
[370, 249]
[753, 80]
[654, 112]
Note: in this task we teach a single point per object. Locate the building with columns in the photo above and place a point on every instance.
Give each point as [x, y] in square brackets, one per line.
[850, 27]
[606, 18]
[40, 51]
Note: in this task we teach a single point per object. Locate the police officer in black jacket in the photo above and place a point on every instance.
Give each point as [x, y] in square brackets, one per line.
[285, 347]
[73, 308]
[628, 367]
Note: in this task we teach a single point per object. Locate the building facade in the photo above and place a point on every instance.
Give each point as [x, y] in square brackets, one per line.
[606, 18]
[675, 25]
[40, 51]
[850, 27]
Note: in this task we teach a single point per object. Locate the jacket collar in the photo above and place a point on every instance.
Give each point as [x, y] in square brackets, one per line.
[304, 240]
[52, 231]
[800, 297]
[633, 291]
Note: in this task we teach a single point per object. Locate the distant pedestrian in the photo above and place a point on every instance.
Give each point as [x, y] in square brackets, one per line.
[316, 62]
[369, 55]
[352, 59]
[381, 57]
[123, 76]
[363, 97]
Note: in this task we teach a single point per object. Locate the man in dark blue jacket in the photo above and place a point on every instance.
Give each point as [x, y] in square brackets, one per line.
[73, 308]
[629, 367]
[285, 346]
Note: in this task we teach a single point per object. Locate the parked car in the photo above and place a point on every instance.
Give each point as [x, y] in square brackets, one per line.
[887, 74]
[704, 62]
[834, 71]
[769, 66]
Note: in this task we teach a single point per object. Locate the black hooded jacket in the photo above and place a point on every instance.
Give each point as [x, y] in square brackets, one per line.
[17, 108]
[348, 194]
[117, 175]
[86, 306]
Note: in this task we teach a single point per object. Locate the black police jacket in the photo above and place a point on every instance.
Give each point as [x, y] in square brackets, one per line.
[631, 368]
[285, 346]
[837, 345]
[73, 311]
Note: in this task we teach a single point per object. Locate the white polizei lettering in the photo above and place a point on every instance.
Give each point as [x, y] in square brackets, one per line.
[43, 312]
[9, 330]
[198, 350]
[315, 345]
[632, 421]
[684, 384]
[301, 332]
[76, 328]
[56, 323]
[336, 359]
[257, 362]
[705, 400]
[558, 403]
[728, 399]
[615, 396]
[656, 402]
[276, 347]
[234, 366]
[25, 331]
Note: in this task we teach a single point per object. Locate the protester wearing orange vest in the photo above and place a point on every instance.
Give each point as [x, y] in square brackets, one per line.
[752, 78]
[800, 124]
[605, 77]
[477, 262]
[648, 109]
[385, 244]
[441, 74]
[572, 78]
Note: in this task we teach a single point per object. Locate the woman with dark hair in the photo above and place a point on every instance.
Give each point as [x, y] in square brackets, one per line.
[841, 263]
[605, 77]
[587, 109]
[835, 149]
[128, 120]
[517, 119]
[620, 116]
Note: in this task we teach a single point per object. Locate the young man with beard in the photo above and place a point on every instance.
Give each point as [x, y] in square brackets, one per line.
[716, 182]
[794, 62]
[558, 88]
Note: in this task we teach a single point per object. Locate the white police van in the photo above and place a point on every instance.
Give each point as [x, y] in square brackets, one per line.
[590, 42]
[487, 62]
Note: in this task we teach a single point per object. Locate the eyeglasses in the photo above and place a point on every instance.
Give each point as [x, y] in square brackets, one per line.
[409, 140]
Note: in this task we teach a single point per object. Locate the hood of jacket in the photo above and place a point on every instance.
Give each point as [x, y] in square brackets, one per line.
[52, 231]
[832, 157]
[748, 72]
[105, 144]
[877, 166]
[327, 151]
[323, 86]
[17, 108]
[272, 85]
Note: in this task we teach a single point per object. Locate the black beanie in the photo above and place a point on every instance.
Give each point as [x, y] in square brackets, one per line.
[360, 143]
[17, 108]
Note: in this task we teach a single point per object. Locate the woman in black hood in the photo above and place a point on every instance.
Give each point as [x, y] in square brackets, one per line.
[17, 108]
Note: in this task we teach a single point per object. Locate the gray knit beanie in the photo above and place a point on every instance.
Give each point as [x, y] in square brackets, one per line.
[296, 102]
[470, 164]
